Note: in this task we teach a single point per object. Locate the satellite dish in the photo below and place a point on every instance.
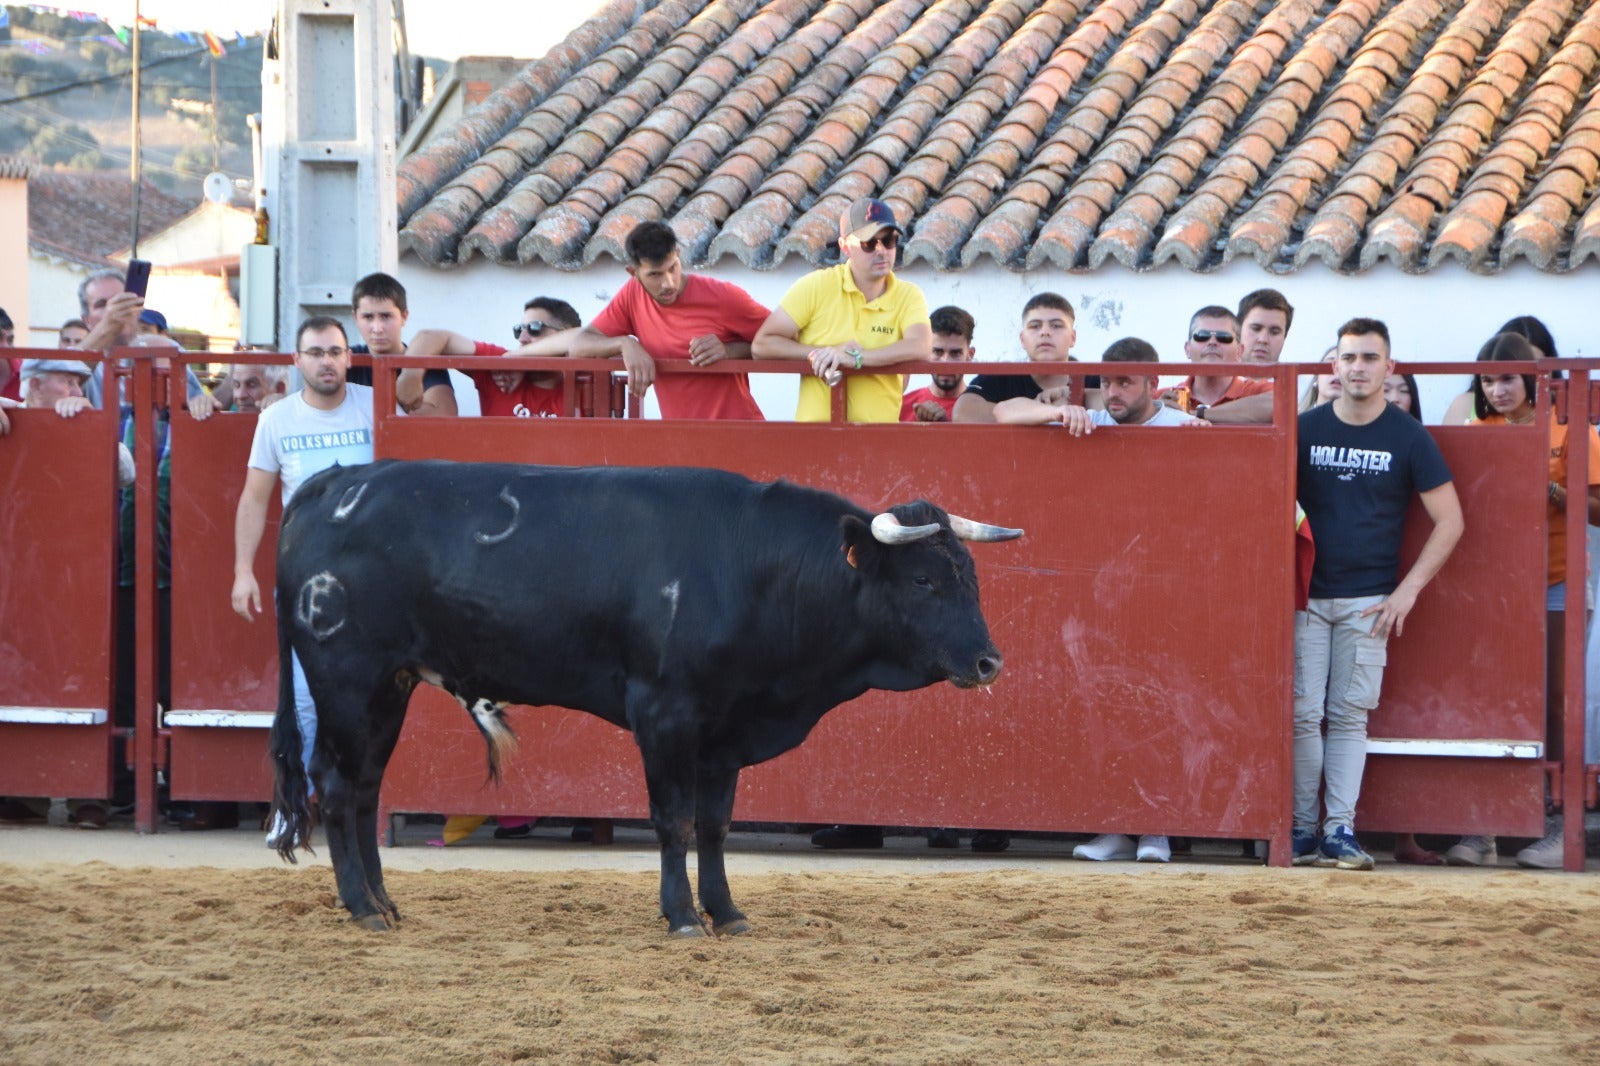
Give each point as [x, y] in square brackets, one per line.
[218, 188]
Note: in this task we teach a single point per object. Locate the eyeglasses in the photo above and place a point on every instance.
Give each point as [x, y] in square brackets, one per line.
[891, 241]
[1203, 335]
[533, 329]
[332, 353]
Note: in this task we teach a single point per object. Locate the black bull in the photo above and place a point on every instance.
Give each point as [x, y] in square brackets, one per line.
[714, 617]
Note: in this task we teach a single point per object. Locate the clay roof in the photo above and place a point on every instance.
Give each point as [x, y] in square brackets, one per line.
[15, 168]
[1033, 132]
[86, 215]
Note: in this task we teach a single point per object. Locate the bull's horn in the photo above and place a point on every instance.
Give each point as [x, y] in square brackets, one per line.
[886, 529]
[967, 529]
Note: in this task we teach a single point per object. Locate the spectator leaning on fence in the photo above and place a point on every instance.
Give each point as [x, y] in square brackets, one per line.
[547, 328]
[1047, 336]
[850, 317]
[952, 343]
[378, 302]
[662, 317]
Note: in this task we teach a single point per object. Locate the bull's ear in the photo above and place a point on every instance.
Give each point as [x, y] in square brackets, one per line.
[861, 549]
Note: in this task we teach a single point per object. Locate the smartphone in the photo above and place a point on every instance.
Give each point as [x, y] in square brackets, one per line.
[138, 276]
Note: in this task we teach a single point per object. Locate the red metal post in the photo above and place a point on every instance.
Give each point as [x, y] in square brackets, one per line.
[383, 401]
[1285, 391]
[1577, 519]
[146, 628]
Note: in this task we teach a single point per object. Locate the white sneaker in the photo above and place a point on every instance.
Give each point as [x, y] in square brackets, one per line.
[1107, 847]
[1545, 855]
[277, 830]
[1473, 851]
[1154, 849]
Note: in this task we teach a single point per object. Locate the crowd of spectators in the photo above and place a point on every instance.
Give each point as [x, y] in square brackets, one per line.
[1363, 455]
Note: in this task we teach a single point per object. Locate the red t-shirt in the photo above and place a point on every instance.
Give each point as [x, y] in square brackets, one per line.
[527, 400]
[908, 405]
[706, 305]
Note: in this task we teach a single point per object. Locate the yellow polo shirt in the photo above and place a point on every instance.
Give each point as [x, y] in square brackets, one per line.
[830, 310]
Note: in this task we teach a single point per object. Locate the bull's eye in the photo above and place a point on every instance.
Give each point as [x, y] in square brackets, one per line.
[923, 581]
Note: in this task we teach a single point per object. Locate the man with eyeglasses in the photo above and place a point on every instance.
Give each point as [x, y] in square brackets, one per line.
[1213, 338]
[850, 317]
[328, 421]
[663, 315]
[545, 330]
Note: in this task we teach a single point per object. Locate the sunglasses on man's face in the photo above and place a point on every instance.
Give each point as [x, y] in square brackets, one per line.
[1203, 335]
[889, 241]
[532, 329]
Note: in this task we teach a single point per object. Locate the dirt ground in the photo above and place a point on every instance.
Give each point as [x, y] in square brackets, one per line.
[861, 961]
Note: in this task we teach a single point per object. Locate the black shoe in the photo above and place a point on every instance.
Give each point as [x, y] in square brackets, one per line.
[515, 832]
[848, 836]
[944, 838]
[991, 840]
[583, 833]
[203, 816]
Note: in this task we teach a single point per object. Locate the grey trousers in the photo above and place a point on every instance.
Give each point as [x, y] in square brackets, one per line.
[1338, 674]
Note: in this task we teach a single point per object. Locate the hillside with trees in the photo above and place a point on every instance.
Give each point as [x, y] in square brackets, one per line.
[66, 97]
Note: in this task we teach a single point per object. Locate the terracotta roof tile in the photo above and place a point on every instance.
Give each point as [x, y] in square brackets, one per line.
[1401, 231]
[1033, 132]
[1496, 187]
[85, 216]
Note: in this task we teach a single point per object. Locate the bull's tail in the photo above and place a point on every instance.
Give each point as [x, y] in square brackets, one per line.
[490, 718]
[290, 818]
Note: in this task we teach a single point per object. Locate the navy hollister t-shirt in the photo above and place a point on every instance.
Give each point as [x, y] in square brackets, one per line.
[1356, 483]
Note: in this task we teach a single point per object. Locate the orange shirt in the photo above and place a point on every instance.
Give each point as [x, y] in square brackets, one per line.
[1238, 390]
[1557, 568]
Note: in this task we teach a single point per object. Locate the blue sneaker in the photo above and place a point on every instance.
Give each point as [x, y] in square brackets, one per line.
[1341, 849]
[1306, 846]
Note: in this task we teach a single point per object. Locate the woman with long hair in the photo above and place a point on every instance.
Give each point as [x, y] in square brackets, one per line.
[1323, 387]
[1530, 329]
[1508, 400]
[1401, 390]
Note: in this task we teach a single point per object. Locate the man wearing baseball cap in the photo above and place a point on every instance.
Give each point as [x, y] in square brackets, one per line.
[851, 317]
[45, 381]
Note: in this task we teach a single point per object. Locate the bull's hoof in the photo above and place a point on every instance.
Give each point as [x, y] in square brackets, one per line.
[736, 927]
[375, 923]
[688, 932]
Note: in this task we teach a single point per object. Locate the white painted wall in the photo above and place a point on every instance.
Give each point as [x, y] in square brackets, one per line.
[1440, 316]
[52, 298]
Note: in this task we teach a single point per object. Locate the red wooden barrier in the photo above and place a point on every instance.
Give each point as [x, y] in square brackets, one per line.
[58, 521]
[1145, 621]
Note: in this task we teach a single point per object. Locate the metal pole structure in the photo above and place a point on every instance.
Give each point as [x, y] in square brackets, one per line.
[133, 160]
[1577, 519]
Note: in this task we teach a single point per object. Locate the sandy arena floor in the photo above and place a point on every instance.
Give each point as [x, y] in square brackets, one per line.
[191, 948]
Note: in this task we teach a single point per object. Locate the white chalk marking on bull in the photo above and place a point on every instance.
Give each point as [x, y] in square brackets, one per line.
[309, 605]
[348, 501]
[670, 593]
[516, 511]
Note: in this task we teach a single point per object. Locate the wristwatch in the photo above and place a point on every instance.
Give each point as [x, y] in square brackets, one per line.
[1200, 410]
